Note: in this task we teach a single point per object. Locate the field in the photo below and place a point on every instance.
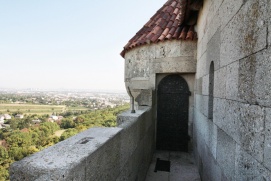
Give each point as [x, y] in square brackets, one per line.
[36, 109]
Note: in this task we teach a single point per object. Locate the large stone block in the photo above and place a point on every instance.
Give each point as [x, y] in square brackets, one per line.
[219, 111]
[267, 141]
[220, 79]
[248, 168]
[214, 26]
[247, 71]
[205, 85]
[227, 117]
[213, 51]
[202, 104]
[226, 147]
[212, 144]
[227, 10]
[201, 64]
[246, 33]
[262, 80]
[136, 68]
[232, 119]
[254, 78]
[198, 86]
[211, 169]
[202, 19]
[232, 81]
[173, 65]
[269, 23]
[251, 127]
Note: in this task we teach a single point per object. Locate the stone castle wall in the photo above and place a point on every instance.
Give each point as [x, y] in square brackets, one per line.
[235, 144]
[147, 65]
[118, 153]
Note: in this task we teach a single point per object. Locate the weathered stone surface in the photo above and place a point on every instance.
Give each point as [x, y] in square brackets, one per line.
[227, 10]
[144, 98]
[212, 144]
[205, 85]
[136, 68]
[254, 75]
[213, 27]
[248, 168]
[213, 51]
[247, 71]
[198, 86]
[262, 85]
[226, 147]
[232, 81]
[202, 19]
[202, 104]
[220, 83]
[252, 130]
[201, 63]
[211, 170]
[61, 159]
[96, 154]
[246, 33]
[227, 117]
[231, 123]
[202, 128]
[267, 141]
[173, 65]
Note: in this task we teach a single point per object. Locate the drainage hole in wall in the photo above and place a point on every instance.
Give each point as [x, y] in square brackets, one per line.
[86, 140]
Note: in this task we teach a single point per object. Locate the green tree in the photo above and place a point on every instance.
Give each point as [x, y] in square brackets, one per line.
[67, 123]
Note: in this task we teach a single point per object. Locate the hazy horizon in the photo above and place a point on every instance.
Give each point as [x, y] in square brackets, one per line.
[65, 44]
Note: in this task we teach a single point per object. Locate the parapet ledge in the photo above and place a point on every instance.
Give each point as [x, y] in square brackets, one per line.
[62, 156]
[127, 118]
[95, 154]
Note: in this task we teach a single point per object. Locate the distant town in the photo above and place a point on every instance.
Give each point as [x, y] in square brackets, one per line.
[53, 105]
[32, 120]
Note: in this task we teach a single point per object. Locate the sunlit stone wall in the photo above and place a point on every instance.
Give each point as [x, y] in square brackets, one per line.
[235, 144]
[121, 153]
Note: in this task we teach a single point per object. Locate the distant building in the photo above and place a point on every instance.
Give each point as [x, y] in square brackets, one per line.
[20, 116]
[37, 121]
[2, 118]
[54, 117]
[7, 116]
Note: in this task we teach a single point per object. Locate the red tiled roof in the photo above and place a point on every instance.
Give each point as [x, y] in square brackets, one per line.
[168, 23]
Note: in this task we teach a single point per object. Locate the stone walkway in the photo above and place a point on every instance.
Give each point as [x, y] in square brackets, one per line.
[182, 167]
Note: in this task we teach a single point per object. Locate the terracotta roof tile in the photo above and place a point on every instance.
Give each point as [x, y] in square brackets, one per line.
[167, 23]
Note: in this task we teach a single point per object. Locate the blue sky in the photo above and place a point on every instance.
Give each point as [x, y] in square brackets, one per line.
[68, 44]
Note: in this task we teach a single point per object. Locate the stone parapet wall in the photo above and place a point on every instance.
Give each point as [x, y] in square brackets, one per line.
[235, 144]
[121, 153]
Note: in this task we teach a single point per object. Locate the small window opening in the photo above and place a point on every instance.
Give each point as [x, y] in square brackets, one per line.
[211, 91]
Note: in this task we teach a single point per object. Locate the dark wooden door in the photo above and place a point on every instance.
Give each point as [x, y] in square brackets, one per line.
[172, 114]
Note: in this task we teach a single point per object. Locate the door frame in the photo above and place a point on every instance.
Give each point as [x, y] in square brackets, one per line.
[190, 79]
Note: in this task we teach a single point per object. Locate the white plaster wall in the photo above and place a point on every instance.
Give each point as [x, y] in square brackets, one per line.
[235, 145]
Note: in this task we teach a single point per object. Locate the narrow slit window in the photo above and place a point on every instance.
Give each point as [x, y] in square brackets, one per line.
[211, 91]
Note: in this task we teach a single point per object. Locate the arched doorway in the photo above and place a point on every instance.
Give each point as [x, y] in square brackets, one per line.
[172, 114]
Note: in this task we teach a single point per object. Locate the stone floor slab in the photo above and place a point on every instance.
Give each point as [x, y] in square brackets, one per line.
[182, 167]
